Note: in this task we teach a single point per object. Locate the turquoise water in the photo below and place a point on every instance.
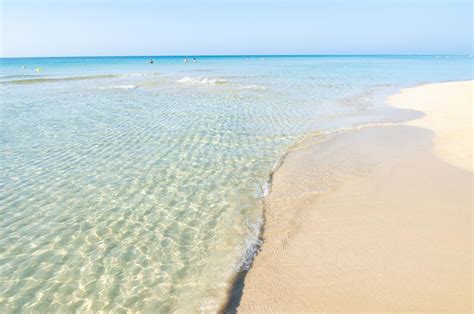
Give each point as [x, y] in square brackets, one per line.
[134, 186]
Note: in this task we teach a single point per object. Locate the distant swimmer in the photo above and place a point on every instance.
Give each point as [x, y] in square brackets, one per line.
[151, 61]
[23, 67]
[194, 60]
[185, 59]
[38, 70]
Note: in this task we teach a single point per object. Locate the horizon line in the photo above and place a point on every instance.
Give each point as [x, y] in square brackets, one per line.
[242, 55]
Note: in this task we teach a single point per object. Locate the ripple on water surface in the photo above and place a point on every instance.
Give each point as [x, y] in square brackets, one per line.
[116, 204]
[145, 194]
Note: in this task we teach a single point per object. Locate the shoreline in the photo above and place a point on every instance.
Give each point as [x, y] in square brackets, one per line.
[237, 285]
[248, 302]
[449, 137]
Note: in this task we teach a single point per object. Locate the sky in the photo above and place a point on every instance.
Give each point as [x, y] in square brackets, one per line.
[227, 27]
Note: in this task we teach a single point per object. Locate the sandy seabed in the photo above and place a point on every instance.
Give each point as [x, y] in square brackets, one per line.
[375, 219]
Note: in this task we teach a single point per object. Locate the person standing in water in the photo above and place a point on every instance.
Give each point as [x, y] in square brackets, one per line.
[151, 61]
[194, 60]
[185, 59]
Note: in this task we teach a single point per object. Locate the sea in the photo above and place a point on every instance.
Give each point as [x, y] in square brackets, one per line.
[130, 186]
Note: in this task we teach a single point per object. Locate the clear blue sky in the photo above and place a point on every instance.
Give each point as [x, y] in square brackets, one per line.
[197, 27]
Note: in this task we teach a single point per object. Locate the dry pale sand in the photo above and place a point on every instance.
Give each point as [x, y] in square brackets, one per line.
[448, 108]
[367, 220]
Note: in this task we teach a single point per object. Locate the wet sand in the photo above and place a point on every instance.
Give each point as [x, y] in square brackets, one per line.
[376, 219]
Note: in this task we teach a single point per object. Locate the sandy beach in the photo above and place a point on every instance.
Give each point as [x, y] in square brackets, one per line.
[375, 219]
[449, 114]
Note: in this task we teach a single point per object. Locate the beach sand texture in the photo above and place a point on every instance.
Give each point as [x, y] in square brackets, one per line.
[449, 114]
[371, 219]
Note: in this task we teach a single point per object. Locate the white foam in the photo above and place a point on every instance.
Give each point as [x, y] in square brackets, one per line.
[120, 87]
[201, 80]
[139, 74]
[266, 189]
[253, 87]
[252, 245]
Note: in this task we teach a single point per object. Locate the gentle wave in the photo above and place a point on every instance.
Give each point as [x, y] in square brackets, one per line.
[263, 190]
[60, 79]
[252, 244]
[40, 78]
[253, 87]
[120, 87]
[140, 74]
[19, 76]
[201, 80]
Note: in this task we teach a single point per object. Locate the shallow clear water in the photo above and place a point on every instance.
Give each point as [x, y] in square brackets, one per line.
[128, 185]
